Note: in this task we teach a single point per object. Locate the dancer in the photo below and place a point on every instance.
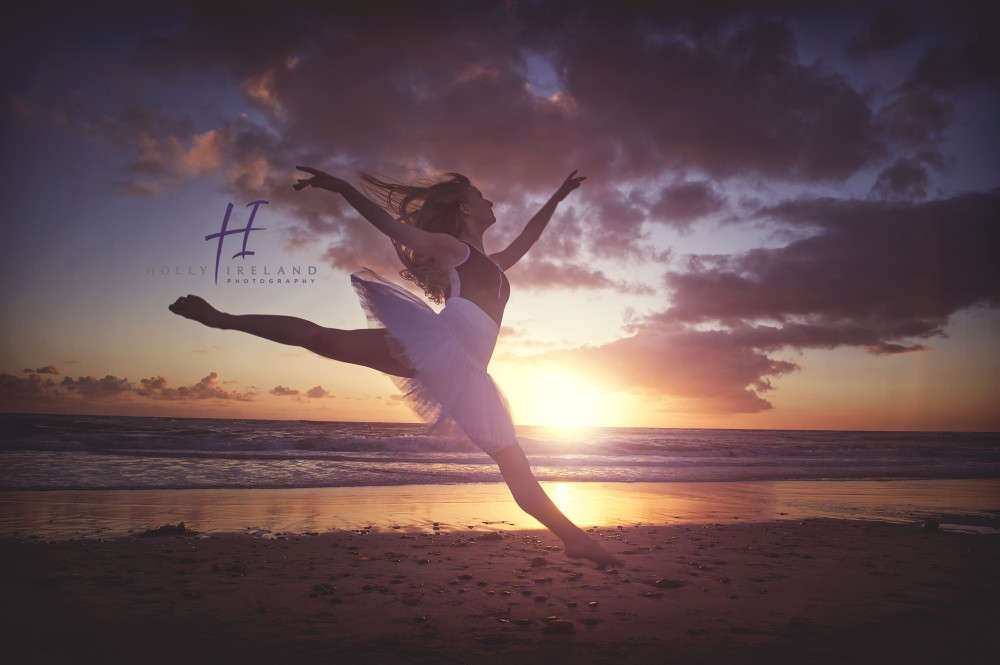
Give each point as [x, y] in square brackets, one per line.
[438, 360]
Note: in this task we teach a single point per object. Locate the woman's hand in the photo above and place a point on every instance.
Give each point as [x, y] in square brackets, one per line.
[321, 180]
[572, 182]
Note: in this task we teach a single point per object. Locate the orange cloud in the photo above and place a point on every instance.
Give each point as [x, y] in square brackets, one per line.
[207, 388]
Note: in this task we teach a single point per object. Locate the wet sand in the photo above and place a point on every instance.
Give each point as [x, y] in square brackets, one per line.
[797, 591]
[98, 513]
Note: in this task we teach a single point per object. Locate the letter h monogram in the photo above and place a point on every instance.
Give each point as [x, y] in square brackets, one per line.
[245, 231]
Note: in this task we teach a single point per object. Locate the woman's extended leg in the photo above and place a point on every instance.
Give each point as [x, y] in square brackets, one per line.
[359, 347]
[533, 500]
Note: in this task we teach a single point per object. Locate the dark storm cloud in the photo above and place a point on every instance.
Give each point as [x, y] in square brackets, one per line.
[876, 272]
[887, 29]
[904, 179]
[969, 56]
[884, 277]
[734, 99]
[682, 203]
[656, 91]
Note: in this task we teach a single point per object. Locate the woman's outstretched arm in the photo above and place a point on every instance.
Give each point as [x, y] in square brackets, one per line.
[443, 248]
[533, 229]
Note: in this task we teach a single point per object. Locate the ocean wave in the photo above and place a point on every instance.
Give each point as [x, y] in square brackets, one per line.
[82, 452]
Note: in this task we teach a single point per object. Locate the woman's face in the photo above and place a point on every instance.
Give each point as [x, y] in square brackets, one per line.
[480, 211]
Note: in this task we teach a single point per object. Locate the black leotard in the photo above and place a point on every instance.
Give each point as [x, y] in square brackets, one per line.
[481, 281]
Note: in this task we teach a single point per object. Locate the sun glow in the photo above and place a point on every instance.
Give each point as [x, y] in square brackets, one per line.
[557, 399]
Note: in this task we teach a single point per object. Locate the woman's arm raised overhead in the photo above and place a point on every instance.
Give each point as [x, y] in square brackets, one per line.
[533, 229]
[443, 248]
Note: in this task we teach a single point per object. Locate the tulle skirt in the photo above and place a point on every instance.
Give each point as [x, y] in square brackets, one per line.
[449, 352]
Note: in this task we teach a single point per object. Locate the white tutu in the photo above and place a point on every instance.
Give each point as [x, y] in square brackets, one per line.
[449, 352]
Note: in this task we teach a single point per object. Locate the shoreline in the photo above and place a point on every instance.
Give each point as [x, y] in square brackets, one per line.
[91, 514]
[820, 591]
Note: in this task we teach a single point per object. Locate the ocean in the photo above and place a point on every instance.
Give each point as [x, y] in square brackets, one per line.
[69, 452]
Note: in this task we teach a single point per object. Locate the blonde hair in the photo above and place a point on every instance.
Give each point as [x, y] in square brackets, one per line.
[431, 206]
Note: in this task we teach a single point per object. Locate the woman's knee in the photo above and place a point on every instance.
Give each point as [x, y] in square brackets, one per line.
[327, 342]
[366, 347]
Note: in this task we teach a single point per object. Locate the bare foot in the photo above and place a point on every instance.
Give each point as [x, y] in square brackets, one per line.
[198, 309]
[588, 548]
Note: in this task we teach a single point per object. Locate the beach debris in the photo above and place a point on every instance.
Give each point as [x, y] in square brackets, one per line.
[665, 583]
[492, 535]
[179, 529]
[235, 568]
[555, 625]
[539, 561]
[323, 590]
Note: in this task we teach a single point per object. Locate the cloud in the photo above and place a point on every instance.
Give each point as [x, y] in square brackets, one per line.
[48, 369]
[537, 273]
[37, 390]
[894, 349]
[317, 392]
[886, 30]
[91, 387]
[681, 203]
[904, 179]
[16, 388]
[666, 107]
[701, 371]
[208, 388]
[973, 59]
[685, 94]
[880, 276]
[875, 273]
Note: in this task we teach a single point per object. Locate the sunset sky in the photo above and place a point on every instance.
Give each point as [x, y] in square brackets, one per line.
[790, 218]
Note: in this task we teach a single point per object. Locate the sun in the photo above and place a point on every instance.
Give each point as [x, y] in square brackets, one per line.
[557, 399]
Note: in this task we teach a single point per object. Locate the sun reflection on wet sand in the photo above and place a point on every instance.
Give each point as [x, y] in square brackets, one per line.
[87, 514]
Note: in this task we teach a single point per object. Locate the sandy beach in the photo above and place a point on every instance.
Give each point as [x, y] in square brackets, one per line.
[795, 590]
[62, 515]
